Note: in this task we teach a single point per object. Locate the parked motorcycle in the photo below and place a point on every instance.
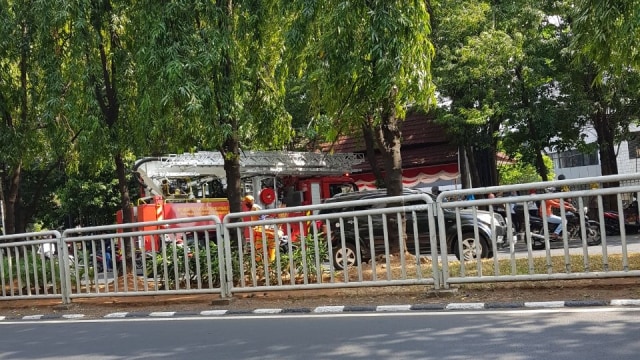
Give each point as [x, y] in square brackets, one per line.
[572, 227]
[631, 220]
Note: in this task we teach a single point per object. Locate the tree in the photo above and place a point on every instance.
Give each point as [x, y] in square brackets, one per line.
[606, 31]
[563, 91]
[605, 44]
[509, 79]
[474, 73]
[368, 63]
[520, 172]
[89, 88]
[212, 76]
[29, 131]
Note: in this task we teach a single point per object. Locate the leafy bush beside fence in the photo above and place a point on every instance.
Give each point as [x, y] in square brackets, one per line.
[306, 256]
[29, 270]
[179, 265]
[25, 270]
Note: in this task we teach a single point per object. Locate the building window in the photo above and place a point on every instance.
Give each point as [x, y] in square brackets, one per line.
[634, 146]
[574, 158]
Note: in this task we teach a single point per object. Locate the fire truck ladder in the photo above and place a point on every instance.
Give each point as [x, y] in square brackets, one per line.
[252, 163]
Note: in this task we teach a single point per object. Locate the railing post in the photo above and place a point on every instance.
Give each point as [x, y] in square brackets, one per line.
[225, 263]
[64, 268]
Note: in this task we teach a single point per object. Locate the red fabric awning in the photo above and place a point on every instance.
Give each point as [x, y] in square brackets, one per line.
[412, 177]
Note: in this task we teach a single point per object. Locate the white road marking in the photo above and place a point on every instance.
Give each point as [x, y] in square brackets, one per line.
[625, 302]
[116, 315]
[213, 312]
[267, 311]
[465, 306]
[328, 309]
[544, 304]
[162, 313]
[393, 308]
[73, 316]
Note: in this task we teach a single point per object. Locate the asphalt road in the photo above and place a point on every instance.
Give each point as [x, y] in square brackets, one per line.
[587, 334]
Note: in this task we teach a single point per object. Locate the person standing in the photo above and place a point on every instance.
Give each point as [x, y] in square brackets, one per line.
[251, 205]
[259, 232]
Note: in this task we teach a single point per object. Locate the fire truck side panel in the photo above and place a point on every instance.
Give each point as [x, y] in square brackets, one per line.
[161, 210]
[146, 213]
[179, 210]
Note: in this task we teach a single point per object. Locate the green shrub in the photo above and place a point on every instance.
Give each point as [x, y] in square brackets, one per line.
[303, 256]
[30, 270]
[307, 255]
[179, 265]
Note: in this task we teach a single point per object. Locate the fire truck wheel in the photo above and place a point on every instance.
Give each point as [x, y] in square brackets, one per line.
[267, 196]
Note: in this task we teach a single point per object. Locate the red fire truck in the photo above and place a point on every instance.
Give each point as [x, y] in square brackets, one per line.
[193, 184]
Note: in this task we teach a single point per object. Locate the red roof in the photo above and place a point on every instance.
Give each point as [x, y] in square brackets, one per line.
[424, 143]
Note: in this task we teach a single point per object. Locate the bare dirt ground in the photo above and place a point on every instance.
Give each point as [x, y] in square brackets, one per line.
[584, 290]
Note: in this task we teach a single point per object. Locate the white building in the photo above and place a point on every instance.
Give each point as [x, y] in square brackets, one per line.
[574, 164]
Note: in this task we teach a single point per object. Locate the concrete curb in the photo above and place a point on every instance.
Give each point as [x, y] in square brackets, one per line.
[345, 309]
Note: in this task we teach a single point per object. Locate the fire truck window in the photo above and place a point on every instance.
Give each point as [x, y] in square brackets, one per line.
[292, 198]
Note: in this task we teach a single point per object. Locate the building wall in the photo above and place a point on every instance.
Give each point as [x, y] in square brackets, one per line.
[626, 165]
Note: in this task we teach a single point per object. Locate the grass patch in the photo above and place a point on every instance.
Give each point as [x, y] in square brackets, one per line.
[540, 265]
[505, 267]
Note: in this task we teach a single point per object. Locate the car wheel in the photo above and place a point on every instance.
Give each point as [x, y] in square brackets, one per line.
[469, 251]
[344, 259]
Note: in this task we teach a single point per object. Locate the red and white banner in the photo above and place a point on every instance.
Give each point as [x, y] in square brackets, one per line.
[413, 177]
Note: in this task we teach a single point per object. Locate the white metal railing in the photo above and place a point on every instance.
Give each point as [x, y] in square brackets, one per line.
[30, 266]
[580, 244]
[305, 247]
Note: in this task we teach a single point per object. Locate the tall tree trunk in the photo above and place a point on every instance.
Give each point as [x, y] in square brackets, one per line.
[224, 100]
[463, 164]
[541, 167]
[473, 167]
[127, 213]
[231, 151]
[370, 145]
[106, 93]
[123, 188]
[12, 199]
[608, 160]
[389, 138]
[389, 141]
[15, 173]
[605, 130]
